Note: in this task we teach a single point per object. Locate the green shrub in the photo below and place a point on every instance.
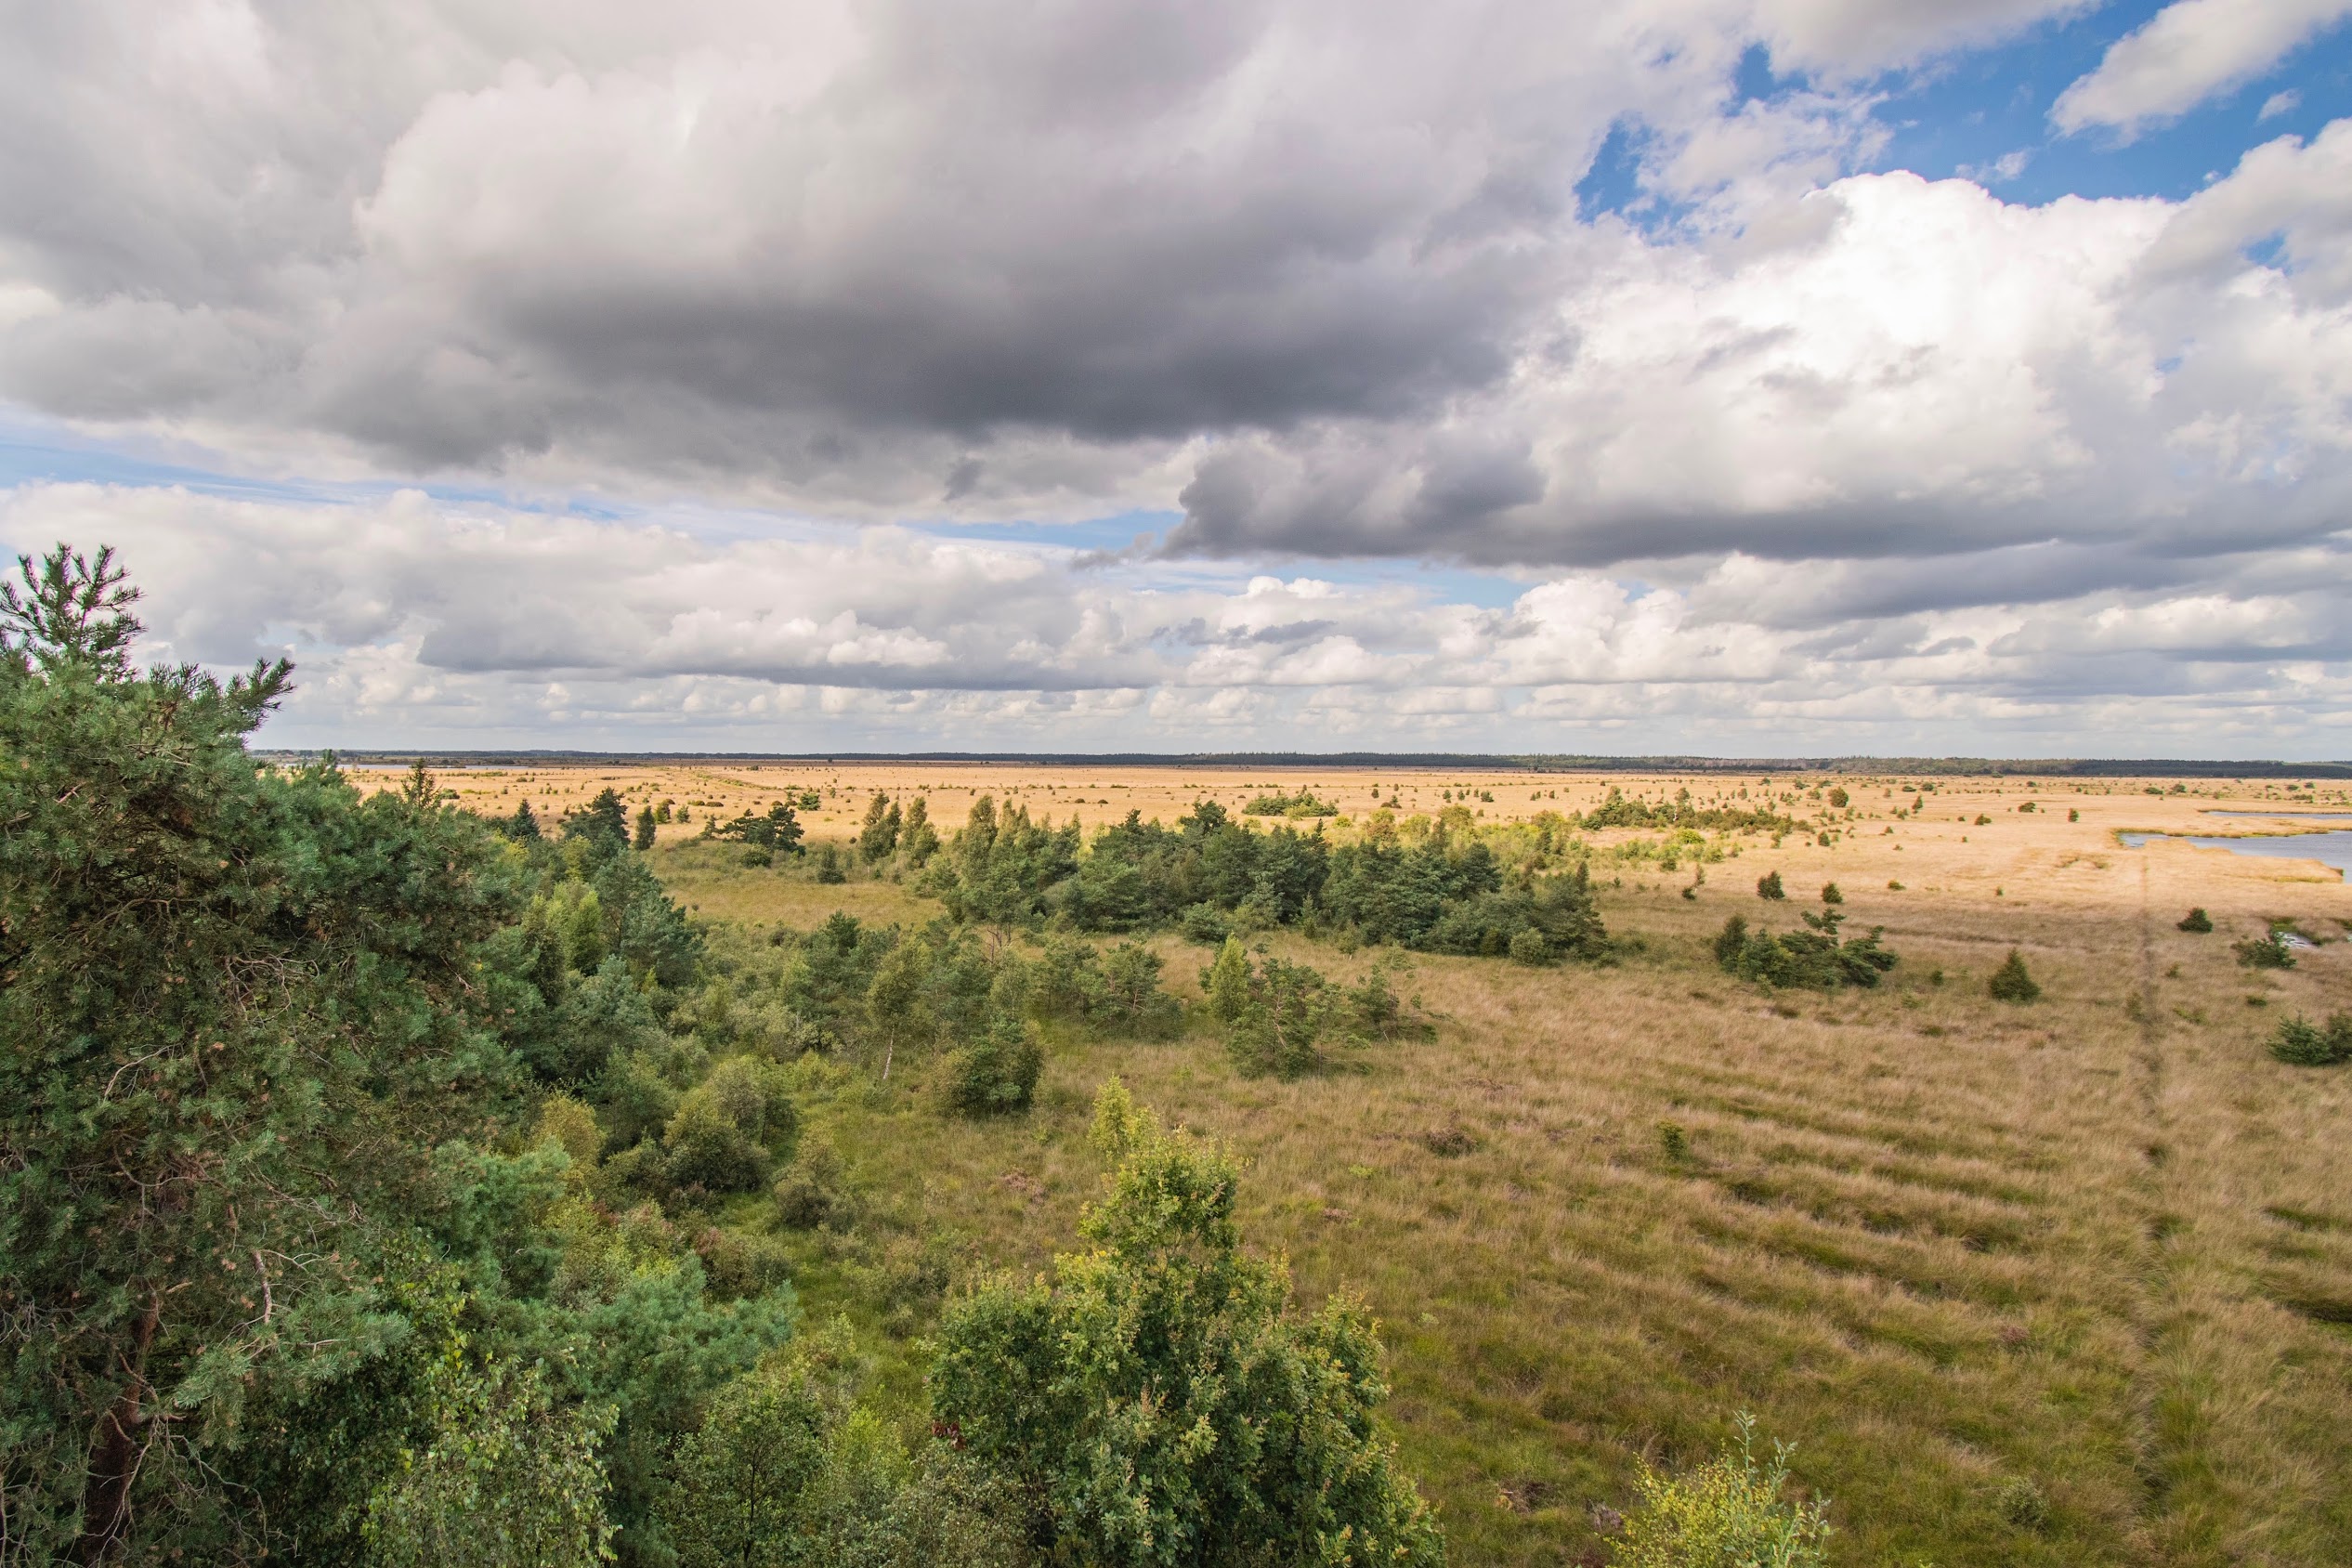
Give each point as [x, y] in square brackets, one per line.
[2020, 1501]
[1829, 894]
[1162, 1402]
[1531, 947]
[788, 1472]
[1768, 887]
[811, 1190]
[509, 1474]
[2197, 920]
[1304, 803]
[708, 1149]
[997, 1072]
[1205, 923]
[1280, 1028]
[2305, 1044]
[1227, 982]
[1673, 1140]
[2265, 952]
[829, 867]
[2011, 983]
[1727, 1513]
[1814, 957]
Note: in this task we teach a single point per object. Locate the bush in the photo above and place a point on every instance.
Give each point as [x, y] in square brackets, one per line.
[1829, 894]
[1163, 1400]
[1531, 947]
[1768, 887]
[708, 1149]
[2021, 1502]
[2011, 983]
[1227, 982]
[2197, 920]
[2264, 952]
[997, 1073]
[829, 867]
[1280, 1028]
[811, 1190]
[510, 1475]
[1814, 957]
[1727, 1513]
[1304, 803]
[1205, 923]
[2303, 1043]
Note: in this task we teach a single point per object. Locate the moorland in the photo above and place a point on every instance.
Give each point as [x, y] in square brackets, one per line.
[2065, 1281]
[890, 1164]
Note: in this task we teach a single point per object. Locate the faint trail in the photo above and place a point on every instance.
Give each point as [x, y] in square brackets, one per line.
[2159, 1425]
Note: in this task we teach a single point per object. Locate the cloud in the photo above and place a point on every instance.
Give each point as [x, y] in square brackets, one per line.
[419, 623]
[1791, 438]
[2193, 50]
[903, 258]
[1888, 367]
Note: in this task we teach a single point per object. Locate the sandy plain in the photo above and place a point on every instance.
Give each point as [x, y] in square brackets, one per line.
[2099, 1248]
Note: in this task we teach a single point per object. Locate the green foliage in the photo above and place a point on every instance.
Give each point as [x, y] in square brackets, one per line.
[263, 1036]
[240, 1007]
[646, 826]
[787, 1472]
[1162, 1402]
[1727, 1513]
[1767, 886]
[1620, 810]
[829, 870]
[2022, 1502]
[1227, 982]
[602, 822]
[2196, 920]
[997, 1072]
[918, 838]
[778, 830]
[812, 1190]
[1814, 957]
[1288, 1011]
[1304, 803]
[2264, 952]
[2305, 1044]
[2011, 981]
[1829, 894]
[878, 838]
[509, 1479]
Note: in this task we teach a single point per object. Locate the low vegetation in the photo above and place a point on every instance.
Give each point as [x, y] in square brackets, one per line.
[387, 1185]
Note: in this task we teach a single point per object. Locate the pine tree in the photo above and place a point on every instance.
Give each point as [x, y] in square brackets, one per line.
[878, 839]
[180, 930]
[645, 828]
[2011, 983]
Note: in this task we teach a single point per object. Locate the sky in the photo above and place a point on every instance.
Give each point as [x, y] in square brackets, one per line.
[1736, 377]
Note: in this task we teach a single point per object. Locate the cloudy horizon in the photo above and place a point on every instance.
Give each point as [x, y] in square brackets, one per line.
[1746, 377]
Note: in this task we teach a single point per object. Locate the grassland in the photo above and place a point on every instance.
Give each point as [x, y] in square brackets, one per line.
[2101, 1243]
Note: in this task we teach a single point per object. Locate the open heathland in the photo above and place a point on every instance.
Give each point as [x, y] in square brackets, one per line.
[2065, 1281]
[1150, 1166]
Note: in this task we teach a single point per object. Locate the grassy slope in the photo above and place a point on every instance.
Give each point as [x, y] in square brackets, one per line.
[2102, 1241]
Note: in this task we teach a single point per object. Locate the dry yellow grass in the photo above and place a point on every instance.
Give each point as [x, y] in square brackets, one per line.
[2102, 1241]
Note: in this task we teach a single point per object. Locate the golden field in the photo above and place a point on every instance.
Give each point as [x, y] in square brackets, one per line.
[2101, 1244]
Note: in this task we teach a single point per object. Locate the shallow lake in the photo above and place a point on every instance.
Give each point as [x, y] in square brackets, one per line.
[2328, 849]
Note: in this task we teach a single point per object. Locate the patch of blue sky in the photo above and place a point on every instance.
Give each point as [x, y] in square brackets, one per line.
[34, 452]
[1117, 531]
[1985, 115]
[1614, 183]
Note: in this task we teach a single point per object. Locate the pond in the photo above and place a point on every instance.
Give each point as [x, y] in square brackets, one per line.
[2333, 848]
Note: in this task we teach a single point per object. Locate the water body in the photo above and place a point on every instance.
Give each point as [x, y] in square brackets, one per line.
[2328, 849]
